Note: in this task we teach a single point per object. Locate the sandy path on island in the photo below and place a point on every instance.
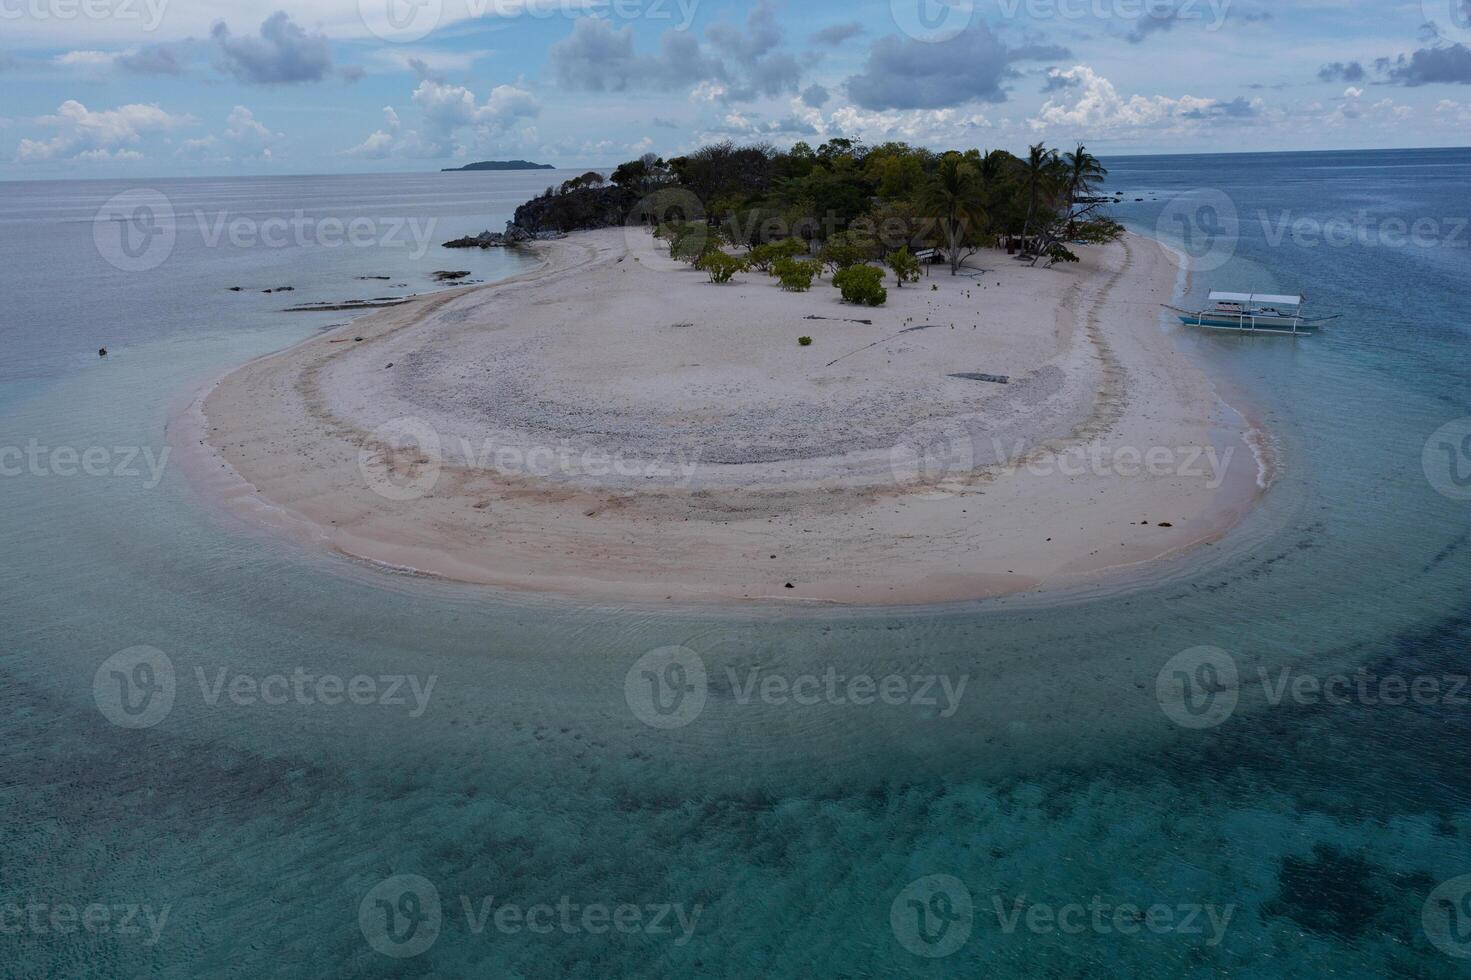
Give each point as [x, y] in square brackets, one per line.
[613, 426]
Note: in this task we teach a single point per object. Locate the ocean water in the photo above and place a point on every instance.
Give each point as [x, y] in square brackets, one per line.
[1098, 784]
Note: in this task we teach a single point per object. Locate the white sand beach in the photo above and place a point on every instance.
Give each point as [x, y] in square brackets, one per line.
[614, 426]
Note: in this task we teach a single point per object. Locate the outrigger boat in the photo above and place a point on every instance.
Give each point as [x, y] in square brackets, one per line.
[1252, 313]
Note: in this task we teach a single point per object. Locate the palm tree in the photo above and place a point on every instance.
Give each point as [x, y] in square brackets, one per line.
[993, 165]
[1084, 173]
[955, 195]
[1040, 171]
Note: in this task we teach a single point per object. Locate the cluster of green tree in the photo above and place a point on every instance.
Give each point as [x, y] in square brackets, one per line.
[591, 179]
[873, 201]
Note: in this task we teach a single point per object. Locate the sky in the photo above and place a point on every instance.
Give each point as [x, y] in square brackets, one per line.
[121, 88]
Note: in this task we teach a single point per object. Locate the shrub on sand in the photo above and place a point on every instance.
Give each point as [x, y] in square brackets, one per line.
[795, 275]
[721, 266]
[848, 248]
[861, 284]
[688, 240]
[905, 267]
[764, 257]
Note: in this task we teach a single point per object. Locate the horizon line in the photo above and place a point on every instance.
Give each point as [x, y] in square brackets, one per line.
[438, 170]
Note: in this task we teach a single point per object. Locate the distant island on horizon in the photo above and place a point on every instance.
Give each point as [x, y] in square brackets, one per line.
[501, 165]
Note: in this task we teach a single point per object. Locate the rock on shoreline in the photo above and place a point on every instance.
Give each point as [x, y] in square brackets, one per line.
[513, 235]
[553, 215]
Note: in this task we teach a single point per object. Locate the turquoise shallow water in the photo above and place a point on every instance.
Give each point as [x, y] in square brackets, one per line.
[796, 839]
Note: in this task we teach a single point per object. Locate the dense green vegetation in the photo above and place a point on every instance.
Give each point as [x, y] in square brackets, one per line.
[841, 207]
[852, 204]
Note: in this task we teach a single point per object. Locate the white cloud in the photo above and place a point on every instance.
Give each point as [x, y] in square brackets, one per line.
[1457, 112]
[1096, 106]
[381, 142]
[453, 123]
[109, 156]
[1351, 109]
[244, 138]
[402, 58]
[939, 127]
[87, 135]
[84, 59]
[708, 92]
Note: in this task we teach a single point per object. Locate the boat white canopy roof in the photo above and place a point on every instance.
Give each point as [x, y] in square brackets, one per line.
[1265, 299]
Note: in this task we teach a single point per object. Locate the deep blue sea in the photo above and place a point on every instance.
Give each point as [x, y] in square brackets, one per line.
[227, 757]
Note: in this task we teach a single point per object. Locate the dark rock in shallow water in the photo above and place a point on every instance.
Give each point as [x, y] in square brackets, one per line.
[1333, 893]
[443, 276]
[351, 304]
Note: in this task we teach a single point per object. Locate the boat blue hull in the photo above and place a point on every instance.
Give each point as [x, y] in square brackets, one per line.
[1246, 324]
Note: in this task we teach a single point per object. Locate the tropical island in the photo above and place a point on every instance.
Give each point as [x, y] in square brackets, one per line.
[500, 165]
[845, 374]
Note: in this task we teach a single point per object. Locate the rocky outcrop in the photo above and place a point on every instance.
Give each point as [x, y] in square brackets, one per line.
[554, 215]
[513, 235]
[578, 210]
[493, 239]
